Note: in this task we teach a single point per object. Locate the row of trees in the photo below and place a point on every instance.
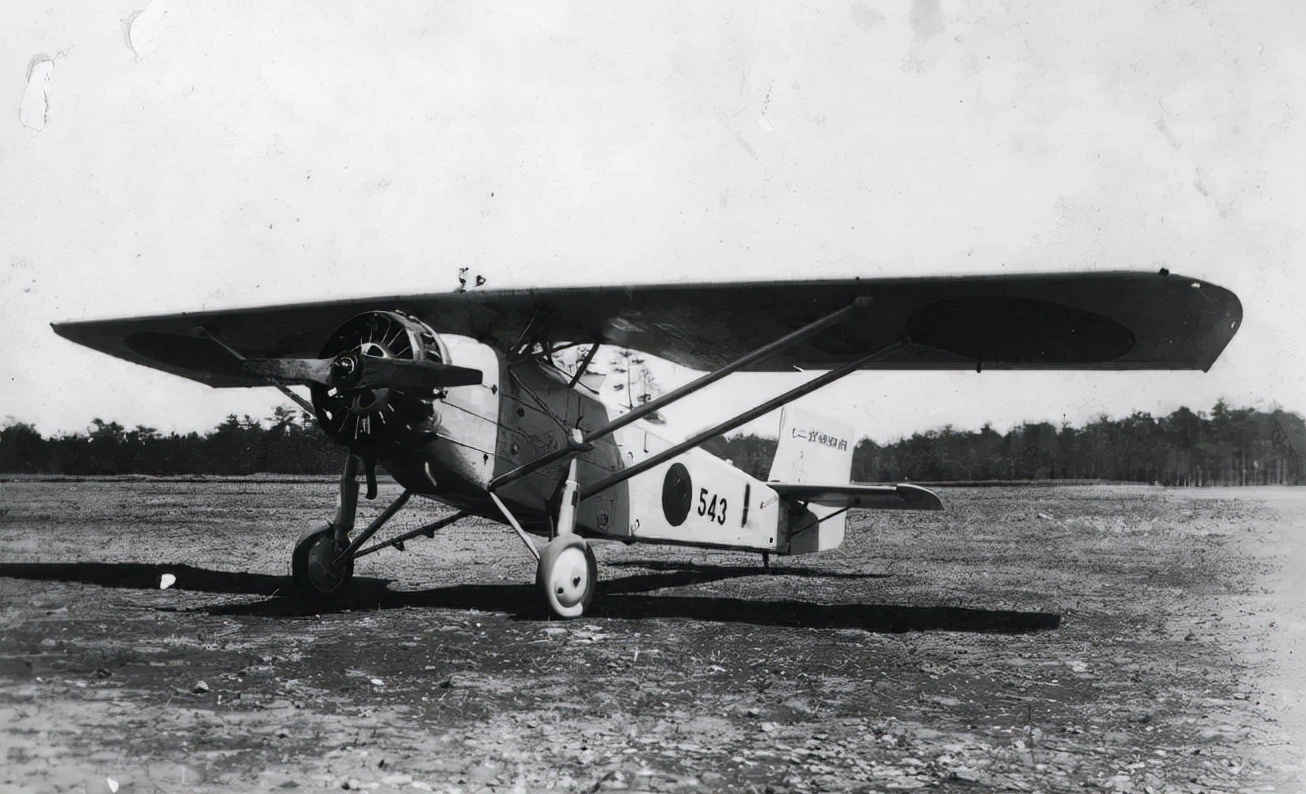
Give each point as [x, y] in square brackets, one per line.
[288, 442]
[1230, 446]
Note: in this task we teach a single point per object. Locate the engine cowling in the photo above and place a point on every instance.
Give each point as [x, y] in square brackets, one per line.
[373, 418]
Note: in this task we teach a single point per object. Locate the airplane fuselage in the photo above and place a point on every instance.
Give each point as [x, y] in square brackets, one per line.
[525, 409]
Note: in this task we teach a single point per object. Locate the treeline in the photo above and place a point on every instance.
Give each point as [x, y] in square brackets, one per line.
[288, 442]
[1229, 446]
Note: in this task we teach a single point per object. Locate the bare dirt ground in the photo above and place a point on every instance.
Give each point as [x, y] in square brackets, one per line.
[1035, 639]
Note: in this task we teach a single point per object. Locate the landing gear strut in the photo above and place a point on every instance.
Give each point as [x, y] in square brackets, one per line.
[567, 572]
[322, 563]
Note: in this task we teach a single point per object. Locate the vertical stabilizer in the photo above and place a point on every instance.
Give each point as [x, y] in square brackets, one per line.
[814, 449]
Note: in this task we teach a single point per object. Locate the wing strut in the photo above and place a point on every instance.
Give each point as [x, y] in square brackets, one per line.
[730, 424]
[584, 365]
[573, 447]
[277, 383]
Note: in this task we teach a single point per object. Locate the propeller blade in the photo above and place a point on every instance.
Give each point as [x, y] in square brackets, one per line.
[354, 371]
[402, 373]
[306, 371]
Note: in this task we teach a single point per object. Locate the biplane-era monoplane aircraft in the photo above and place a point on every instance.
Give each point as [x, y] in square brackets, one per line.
[459, 396]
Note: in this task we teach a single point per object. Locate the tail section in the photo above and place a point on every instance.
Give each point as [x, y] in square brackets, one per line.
[817, 450]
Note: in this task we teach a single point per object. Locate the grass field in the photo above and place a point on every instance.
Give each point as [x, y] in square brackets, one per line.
[1038, 639]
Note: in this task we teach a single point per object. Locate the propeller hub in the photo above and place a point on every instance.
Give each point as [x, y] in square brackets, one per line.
[345, 370]
[352, 408]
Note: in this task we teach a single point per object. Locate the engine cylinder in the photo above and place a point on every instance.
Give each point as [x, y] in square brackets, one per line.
[370, 419]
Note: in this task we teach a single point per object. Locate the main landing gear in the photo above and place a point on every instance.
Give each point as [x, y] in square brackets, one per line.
[566, 573]
[322, 565]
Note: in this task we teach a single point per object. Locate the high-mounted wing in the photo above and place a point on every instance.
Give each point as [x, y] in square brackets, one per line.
[1109, 320]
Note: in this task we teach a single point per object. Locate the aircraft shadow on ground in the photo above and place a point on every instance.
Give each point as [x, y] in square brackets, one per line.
[621, 597]
[143, 576]
[740, 570]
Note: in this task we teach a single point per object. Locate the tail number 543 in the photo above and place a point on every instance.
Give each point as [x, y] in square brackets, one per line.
[712, 506]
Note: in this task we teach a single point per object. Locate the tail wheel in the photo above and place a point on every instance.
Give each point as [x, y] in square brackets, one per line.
[363, 416]
[567, 576]
[313, 564]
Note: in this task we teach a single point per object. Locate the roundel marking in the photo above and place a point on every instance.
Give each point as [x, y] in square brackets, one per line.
[677, 494]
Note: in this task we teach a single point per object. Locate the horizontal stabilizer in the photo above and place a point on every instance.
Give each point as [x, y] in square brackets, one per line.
[868, 497]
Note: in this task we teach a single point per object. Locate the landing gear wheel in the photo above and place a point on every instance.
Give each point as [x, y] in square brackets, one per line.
[313, 565]
[567, 576]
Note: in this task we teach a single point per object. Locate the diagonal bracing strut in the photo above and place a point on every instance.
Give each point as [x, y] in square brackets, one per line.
[734, 422]
[426, 529]
[377, 523]
[573, 447]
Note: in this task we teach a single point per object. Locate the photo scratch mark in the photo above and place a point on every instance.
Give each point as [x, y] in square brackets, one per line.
[34, 111]
[141, 28]
[751, 153]
[1167, 133]
[762, 120]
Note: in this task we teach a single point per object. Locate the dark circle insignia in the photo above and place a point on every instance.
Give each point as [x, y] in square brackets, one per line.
[677, 494]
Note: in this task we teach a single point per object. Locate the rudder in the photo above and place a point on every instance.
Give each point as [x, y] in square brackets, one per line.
[814, 449]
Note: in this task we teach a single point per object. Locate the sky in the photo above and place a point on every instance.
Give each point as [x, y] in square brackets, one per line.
[172, 156]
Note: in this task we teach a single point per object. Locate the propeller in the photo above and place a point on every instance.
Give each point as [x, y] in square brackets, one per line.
[355, 370]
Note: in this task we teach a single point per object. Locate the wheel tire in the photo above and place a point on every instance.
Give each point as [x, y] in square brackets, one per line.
[567, 576]
[311, 568]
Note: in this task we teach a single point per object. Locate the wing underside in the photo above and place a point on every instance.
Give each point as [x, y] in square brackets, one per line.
[1116, 320]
